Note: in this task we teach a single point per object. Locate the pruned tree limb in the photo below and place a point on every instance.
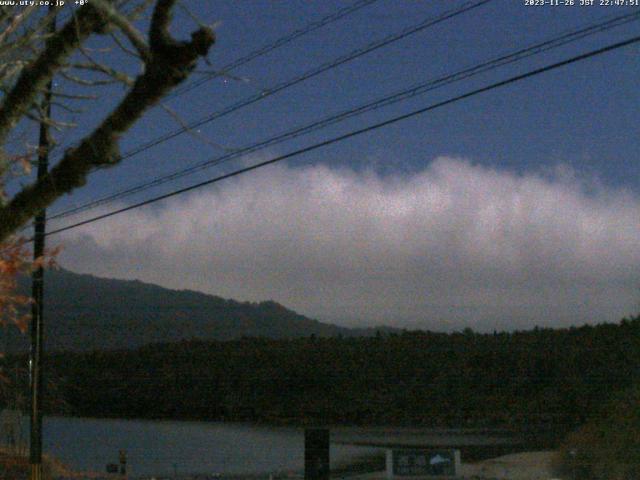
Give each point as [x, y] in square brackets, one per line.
[169, 63]
[120, 21]
[34, 77]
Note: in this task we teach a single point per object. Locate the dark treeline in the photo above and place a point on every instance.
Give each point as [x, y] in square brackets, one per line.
[537, 378]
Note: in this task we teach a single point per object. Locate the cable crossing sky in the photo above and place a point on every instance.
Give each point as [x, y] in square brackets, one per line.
[388, 40]
[373, 46]
[282, 41]
[354, 133]
[396, 97]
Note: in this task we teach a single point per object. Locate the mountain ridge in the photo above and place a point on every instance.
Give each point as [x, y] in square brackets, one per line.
[85, 312]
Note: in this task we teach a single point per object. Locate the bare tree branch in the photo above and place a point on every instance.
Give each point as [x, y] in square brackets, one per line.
[67, 108]
[139, 9]
[170, 62]
[123, 24]
[194, 133]
[16, 21]
[34, 77]
[123, 47]
[86, 83]
[98, 67]
[57, 124]
[71, 96]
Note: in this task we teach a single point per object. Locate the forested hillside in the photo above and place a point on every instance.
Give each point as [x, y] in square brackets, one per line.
[543, 377]
[84, 312]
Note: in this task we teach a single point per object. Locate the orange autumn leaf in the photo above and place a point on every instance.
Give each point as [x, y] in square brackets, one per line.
[22, 323]
[15, 261]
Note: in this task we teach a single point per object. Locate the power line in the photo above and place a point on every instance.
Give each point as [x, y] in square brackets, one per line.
[354, 133]
[275, 45]
[429, 22]
[382, 102]
[280, 42]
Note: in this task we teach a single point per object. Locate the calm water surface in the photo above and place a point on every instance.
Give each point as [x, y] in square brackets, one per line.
[165, 448]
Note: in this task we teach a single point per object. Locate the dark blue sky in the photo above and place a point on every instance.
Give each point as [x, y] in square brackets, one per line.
[516, 207]
[584, 115]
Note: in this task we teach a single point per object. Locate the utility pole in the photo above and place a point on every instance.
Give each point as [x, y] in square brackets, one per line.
[37, 290]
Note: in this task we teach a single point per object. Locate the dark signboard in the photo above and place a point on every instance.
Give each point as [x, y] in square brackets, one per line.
[316, 454]
[424, 462]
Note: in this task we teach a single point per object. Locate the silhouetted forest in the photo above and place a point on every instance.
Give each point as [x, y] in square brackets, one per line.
[608, 445]
[90, 313]
[539, 378]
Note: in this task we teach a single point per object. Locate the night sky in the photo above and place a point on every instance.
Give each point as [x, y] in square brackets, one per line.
[517, 207]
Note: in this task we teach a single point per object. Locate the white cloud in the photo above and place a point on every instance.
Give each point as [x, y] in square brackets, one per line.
[454, 245]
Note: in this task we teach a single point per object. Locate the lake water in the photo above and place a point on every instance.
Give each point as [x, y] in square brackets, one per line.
[168, 448]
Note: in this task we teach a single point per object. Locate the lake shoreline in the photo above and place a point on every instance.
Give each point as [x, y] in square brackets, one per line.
[167, 448]
[302, 423]
[533, 465]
